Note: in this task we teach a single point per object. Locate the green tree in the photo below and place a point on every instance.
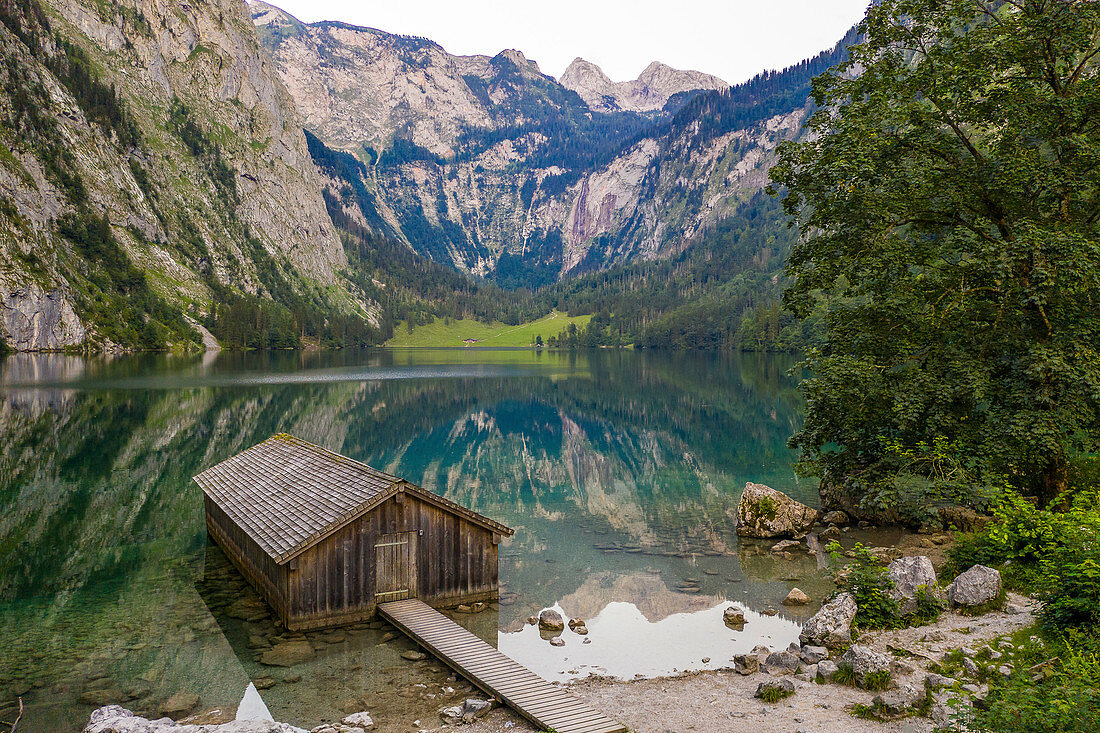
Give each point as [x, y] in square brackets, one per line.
[950, 184]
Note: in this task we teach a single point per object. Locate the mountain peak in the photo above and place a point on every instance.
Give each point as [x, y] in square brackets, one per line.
[656, 84]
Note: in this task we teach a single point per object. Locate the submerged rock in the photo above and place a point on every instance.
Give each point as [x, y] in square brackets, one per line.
[179, 704]
[766, 513]
[831, 627]
[977, 586]
[287, 653]
[908, 574]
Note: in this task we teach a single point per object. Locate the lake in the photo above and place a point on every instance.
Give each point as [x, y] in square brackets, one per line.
[619, 470]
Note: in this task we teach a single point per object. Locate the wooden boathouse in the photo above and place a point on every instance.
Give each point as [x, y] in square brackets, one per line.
[325, 539]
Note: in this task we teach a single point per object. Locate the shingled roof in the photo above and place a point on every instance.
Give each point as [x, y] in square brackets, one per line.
[288, 494]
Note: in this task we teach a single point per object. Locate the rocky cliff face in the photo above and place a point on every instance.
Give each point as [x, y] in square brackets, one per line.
[650, 92]
[205, 163]
[514, 175]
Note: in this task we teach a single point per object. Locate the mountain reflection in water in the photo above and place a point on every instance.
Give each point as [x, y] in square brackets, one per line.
[619, 470]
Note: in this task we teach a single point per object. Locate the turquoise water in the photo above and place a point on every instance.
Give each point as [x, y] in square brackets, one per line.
[619, 470]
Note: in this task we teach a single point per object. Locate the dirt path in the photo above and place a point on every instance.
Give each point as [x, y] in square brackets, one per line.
[723, 701]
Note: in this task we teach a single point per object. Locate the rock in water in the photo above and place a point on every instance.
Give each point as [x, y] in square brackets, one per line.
[766, 513]
[796, 598]
[975, 587]
[287, 653]
[836, 517]
[557, 641]
[907, 574]
[831, 626]
[413, 655]
[746, 664]
[733, 616]
[551, 620]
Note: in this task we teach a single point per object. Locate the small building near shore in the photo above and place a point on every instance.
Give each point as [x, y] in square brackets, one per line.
[325, 538]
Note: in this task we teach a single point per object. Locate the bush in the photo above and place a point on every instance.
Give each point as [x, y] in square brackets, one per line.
[865, 578]
[1066, 701]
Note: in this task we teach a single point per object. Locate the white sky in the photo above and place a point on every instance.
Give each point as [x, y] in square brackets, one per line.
[734, 39]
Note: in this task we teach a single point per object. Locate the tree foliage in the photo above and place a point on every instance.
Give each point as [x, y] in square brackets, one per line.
[950, 183]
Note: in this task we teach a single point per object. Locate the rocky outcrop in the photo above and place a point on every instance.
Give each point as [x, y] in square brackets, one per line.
[831, 627]
[764, 512]
[650, 92]
[182, 214]
[117, 719]
[908, 574]
[978, 586]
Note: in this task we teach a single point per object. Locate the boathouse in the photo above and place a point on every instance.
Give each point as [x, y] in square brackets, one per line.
[324, 538]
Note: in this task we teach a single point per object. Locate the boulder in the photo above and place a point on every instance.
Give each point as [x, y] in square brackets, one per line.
[733, 616]
[962, 518]
[575, 622]
[826, 669]
[746, 664]
[287, 653]
[831, 626]
[786, 546]
[581, 630]
[977, 586]
[781, 663]
[117, 719]
[796, 598]
[551, 620]
[864, 661]
[907, 574]
[766, 513]
[557, 641]
[813, 654]
[836, 517]
[829, 534]
[784, 686]
[898, 701]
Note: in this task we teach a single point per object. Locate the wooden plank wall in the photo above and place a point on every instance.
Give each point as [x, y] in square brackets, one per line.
[334, 581]
[266, 576]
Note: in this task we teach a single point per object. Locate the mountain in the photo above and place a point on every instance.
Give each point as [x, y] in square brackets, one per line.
[488, 165]
[159, 190]
[156, 178]
[650, 92]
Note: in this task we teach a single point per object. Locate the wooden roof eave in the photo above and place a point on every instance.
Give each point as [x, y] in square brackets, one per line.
[396, 488]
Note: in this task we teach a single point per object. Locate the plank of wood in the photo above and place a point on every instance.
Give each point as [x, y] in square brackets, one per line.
[531, 696]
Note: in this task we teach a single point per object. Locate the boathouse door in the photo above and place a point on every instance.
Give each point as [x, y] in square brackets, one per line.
[395, 567]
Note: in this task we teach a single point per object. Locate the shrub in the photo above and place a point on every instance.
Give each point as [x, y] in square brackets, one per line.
[877, 681]
[865, 578]
[1067, 701]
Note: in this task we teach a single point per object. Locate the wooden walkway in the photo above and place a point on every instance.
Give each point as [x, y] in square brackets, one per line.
[547, 706]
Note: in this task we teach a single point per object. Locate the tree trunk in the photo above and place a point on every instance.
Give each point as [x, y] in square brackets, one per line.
[1054, 482]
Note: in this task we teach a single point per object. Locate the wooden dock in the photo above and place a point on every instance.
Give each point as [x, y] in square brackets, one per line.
[547, 706]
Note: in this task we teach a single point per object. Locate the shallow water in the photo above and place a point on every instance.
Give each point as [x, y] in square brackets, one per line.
[619, 471]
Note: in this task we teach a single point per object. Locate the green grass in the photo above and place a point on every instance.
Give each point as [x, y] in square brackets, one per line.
[441, 334]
